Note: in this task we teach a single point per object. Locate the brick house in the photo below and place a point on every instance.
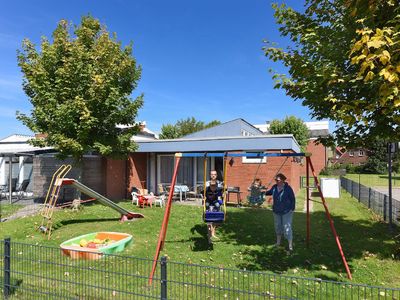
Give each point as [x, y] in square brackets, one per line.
[355, 157]
[153, 163]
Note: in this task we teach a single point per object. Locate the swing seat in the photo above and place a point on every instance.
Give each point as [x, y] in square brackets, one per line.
[214, 216]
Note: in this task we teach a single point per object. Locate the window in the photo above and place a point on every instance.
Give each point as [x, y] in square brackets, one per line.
[361, 153]
[254, 160]
[351, 153]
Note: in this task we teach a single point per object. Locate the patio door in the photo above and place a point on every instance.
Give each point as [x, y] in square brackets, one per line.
[165, 169]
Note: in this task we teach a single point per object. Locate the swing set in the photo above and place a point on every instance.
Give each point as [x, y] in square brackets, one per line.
[220, 216]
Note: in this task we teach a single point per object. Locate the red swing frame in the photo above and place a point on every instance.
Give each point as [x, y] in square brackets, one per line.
[309, 166]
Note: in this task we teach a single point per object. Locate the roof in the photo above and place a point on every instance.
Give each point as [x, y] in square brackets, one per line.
[236, 127]
[222, 144]
[16, 138]
[316, 128]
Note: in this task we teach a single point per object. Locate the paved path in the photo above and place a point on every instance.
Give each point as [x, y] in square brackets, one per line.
[28, 210]
[385, 190]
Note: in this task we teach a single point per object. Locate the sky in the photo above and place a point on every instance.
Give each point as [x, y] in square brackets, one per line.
[200, 58]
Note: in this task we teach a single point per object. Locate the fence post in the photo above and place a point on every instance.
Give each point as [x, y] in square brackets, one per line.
[369, 198]
[163, 278]
[7, 268]
[384, 207]
[352, 189]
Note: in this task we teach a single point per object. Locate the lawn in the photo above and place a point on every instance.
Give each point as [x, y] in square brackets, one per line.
[246, 239]
[374, 180]
[8, 209]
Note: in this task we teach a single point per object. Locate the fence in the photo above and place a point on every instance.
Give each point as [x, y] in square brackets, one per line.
[374, 200]
[39, 272]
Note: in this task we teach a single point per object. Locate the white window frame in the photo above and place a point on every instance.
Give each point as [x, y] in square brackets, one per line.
[254, 160]
[351, 153]
[361, 152]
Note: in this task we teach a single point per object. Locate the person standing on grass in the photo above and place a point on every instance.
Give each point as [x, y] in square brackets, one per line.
[283, 207]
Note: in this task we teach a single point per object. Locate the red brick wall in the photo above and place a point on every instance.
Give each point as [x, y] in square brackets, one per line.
[137, 168]
[318, 157]
[242, 174]
[115, 179]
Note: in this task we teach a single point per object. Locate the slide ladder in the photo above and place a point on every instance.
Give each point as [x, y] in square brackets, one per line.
[51, 199]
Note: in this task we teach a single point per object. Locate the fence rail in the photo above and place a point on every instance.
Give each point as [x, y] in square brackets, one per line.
[374, 200]
[38, 272]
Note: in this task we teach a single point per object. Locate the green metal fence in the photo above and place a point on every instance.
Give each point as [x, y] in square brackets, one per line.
[39, 272]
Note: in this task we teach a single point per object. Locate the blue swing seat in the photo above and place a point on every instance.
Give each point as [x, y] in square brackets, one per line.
[214, 217]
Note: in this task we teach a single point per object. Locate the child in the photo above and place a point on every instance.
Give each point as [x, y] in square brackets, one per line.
[257, 192]
[213, 196]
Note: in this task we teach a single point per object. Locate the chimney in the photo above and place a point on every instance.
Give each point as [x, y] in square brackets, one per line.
[142, 125]
[40, 136]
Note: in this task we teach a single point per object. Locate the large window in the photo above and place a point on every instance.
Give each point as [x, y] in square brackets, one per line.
[166, 165]
[200, 170]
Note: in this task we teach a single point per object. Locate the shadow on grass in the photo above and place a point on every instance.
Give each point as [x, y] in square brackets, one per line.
[13, 287]
[254, 229]
[68, 222]
[200, 243]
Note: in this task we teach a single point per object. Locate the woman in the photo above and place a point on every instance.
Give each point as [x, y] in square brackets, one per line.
[283, 207]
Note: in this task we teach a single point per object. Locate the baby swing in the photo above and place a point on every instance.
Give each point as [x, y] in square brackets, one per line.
[212, 216]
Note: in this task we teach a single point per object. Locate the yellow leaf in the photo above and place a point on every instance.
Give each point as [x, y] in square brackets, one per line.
[396, 102]
[384, 59]
[393, 78]
[375, 43]
[370, 75]
[385, 73]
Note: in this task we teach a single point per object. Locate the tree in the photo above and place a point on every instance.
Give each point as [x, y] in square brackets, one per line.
[344, 65]
[184, 127]
[80, 88]
[291, 125]
[377, 158]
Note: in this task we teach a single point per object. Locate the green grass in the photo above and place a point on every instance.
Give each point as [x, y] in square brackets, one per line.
[372, 180]
[246, 239]
[8, 209]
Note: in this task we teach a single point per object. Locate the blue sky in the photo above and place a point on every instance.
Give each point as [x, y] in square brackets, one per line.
[200, 58]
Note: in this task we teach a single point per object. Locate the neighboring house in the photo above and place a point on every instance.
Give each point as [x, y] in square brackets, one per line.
[355, 157]
[319, 153]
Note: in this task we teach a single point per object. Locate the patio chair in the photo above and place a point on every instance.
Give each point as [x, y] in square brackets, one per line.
[160, 200]
[21, 190]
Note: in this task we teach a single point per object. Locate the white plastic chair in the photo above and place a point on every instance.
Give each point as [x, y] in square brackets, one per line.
[160, 200]
[135, 198]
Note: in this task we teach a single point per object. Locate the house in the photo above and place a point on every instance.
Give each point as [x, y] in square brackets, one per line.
[39, 164]
[355, 156]
[153, 163]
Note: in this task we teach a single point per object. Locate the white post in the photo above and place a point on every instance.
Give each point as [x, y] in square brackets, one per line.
[3, 178]
[21, 175]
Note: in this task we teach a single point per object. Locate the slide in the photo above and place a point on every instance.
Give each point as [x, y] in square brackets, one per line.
[103, 200]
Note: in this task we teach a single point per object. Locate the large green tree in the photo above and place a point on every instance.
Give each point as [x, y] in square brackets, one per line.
[79, 86]
[344, 64]
[291, 125]
[184, 127]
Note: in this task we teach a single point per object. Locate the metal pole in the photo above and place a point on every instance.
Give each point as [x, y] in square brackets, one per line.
[390, 185]
[308, 199]
[10, 179]
[359, 187]
[7, 268]
[163, 264]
